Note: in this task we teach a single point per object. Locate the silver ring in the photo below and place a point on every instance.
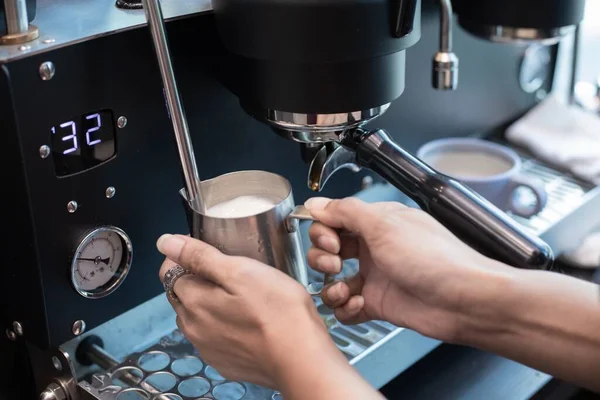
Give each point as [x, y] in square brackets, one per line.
[171, 277]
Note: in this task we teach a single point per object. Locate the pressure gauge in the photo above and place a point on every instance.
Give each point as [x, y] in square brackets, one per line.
[101, 262]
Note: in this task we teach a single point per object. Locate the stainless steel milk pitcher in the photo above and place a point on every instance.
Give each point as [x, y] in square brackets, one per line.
[271, 237]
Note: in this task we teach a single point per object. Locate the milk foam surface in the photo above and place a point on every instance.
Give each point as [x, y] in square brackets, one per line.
[243, 206]
[469, 164]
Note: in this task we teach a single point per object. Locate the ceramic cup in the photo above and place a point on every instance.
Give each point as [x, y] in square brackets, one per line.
[490, 169]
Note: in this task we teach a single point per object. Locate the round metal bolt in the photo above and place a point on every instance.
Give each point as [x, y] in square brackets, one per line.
[11, 335]
[78, 327]
[53, 392]
[24, 47]
[57, 364]
[366, 182]
[44, 151]
[122, 121]
[72, 206]
[49, 40]
[47, 70]
[18, 328]
[110, 192]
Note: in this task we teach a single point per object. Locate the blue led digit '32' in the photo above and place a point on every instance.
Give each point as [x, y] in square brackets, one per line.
[83, 142]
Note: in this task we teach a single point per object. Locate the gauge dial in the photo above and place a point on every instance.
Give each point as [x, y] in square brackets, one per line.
[101, 262]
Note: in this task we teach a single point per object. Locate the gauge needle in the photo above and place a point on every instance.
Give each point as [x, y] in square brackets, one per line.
[96, 260]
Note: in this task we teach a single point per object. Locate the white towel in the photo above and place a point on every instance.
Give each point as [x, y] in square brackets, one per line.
[587, 255]
[562, 135]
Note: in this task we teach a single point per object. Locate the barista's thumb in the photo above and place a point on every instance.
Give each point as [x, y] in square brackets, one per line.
[350, 214]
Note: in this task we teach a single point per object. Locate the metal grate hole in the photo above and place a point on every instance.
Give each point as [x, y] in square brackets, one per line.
[160, 382]
[340, 342]
[167, 396]
[154, 361]
[187, 366]
[324, 310]
[213, 374]
[194, 387]
[352, 336]
[229, 391]
[132, 394]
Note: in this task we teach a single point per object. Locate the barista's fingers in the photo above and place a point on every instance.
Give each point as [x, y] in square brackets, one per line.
[352, 312]
[325, 238]
[340, 292]
[324, 261]
[194, 292]
[350, 214]
[200, 258]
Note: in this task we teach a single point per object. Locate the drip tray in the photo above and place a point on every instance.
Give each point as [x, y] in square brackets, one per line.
[172, 369]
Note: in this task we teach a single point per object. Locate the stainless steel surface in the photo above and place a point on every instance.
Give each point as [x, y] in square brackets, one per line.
[72, 206]
[122, 122]
[445, 62]
[263, 237]
[315, 128]
[327, 161]
[575, 63]
[44, 151]
[523, 35]
[53, 392]
[47, 70]
[18, 328]
[11, 335]
[182, 131]
[94, 18]
[15, 12]
[110, 192]
[78, 327]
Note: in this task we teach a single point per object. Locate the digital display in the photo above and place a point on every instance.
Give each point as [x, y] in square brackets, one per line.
[83, 142]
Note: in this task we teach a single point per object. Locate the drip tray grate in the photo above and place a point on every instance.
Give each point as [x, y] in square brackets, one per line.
[173, 370]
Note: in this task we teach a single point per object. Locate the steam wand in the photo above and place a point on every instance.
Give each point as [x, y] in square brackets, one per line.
[182, 133]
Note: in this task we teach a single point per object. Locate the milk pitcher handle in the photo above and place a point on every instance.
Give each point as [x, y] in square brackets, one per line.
[292, 223]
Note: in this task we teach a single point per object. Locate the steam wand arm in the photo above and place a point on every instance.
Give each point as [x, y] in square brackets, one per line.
[469, 216]
[182, 132]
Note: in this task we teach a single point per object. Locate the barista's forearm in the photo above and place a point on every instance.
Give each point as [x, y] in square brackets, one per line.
[325, 375]
[547, 321]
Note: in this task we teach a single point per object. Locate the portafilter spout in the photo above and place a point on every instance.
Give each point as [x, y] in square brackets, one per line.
[176, 112]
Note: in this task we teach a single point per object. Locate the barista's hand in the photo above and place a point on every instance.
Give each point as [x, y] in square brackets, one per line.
[246, 319]
[413, 272]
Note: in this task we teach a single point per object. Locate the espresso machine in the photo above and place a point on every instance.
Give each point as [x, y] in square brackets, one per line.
[89, 108]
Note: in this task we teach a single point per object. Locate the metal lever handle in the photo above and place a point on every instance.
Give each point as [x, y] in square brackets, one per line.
[300, 213]
[468, 215]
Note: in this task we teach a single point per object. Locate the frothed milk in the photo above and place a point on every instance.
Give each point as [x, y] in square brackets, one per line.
[243, 206]
[469, 164]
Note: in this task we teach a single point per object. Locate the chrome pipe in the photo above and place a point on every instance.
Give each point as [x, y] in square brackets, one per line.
[445, 62]
[182, 133]
[17, 20]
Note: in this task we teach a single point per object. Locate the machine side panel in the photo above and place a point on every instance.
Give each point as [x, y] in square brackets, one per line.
[21, 295]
